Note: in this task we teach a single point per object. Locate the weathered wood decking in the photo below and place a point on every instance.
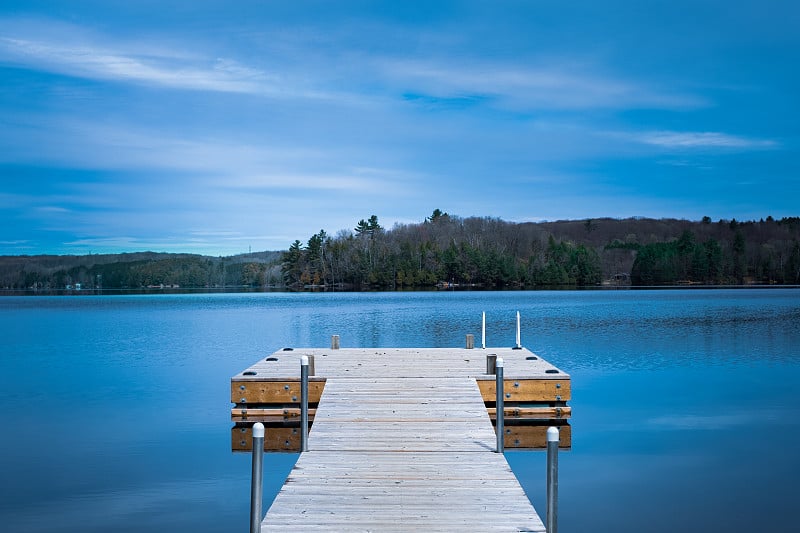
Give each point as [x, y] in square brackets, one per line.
[401, 440]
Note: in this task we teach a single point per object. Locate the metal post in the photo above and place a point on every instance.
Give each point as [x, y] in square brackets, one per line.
[256, 486]
[470, 341]
[491, 363]
[552, 480]
[519, 343]
[304, 403]
[500, 404]
[483, 330]
[334, 342]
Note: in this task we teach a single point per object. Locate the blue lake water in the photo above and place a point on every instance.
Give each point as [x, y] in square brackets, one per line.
[115, 410]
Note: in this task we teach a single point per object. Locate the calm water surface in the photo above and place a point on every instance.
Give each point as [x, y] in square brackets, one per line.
[686, 412]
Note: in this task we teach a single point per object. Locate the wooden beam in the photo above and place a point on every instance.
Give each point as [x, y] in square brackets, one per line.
[532, 412]
[274, 414]
[535, 437]
[527, 390]
[282, 392]
[276, 439]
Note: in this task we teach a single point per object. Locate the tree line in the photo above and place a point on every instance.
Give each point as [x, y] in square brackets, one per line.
[447, 251]
[488, 252]
[735, 260]
[139, 271]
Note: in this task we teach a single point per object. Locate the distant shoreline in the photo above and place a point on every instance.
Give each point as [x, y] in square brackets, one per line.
[244, 290]
[448, 252]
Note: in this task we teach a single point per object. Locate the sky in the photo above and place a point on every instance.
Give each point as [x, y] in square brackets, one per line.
[219, 127]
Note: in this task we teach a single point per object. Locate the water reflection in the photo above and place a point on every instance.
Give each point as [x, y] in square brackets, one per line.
[520, 434]
[673, 394]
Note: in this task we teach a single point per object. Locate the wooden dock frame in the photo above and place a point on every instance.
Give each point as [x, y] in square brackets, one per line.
[269, 392]
[401, 439]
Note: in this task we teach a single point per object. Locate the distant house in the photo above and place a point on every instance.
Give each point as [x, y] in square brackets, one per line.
[623, 278]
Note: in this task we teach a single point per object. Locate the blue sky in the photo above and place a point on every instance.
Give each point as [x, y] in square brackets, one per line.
[218, 127]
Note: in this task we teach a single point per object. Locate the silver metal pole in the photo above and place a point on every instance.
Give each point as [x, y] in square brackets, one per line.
[552, 480]
[483, 330]
[500, 405]
[256, 481]
[304, 403]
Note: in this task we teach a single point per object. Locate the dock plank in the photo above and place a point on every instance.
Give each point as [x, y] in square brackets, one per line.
[401, 363]
[401, 441]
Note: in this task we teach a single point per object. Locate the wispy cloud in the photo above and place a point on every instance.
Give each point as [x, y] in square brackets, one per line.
[68, 50]
[164, 242]
[292, 124]
[121, 504]
[705, 139]
[203, 159]
[97, 62]
[342, 75]
[52, 209]
[688, 421]
[521, 85]
[689, 141]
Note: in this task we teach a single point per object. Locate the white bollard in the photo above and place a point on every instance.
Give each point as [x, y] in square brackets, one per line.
[552, 480]
[256, 480]
[500, 405]
[483, 331]
[304, 403]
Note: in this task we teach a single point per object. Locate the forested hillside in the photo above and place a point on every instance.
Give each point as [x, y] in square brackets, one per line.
[448, 250]
[138, 270]
[489, 252]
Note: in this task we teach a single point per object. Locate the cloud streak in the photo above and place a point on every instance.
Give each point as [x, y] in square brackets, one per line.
[106, 64]
[523, 86]
[239, 164]
[350, 78]
[212, 122]
[75, 52]
[689, 141]
[704, 139]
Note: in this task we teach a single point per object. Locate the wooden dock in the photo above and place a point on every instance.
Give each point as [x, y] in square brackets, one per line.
[401, 439]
